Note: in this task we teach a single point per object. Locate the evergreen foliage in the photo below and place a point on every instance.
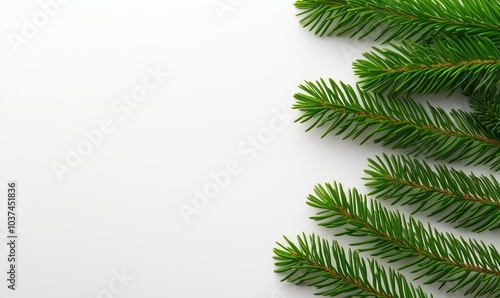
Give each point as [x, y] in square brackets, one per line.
[333, 271]
[470, 200]
[467, 63]
[399, 123]
[442, 45]
[403, 19]
[486, 107]
[438, 257]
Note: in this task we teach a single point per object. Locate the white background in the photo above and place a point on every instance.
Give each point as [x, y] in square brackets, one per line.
[229, 74]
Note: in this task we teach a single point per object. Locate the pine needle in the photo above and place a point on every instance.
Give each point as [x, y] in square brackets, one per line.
[447, 65]
[333, 271]
[441, 258]
[422, 20]
[399, 123]
[470, 200]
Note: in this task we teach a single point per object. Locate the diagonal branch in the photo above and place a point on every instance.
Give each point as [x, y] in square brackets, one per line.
[400, 123]
[447, 65]
[402, 19]
[334, 271]
[439, 257]
[471, 200]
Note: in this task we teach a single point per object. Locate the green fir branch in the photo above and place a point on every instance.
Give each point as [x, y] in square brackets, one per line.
[454, 47]
[473, 201]
[333, 271]
[447, 65]
[402, 19]
[486, 108]
[399, 123]
[442, 258]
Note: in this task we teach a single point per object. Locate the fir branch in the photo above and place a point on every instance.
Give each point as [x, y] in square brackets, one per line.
[486, 108]
[471, 200]
[398, 123]
[439, 257]
[447, 65]
[334, 271]
[403, 19]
